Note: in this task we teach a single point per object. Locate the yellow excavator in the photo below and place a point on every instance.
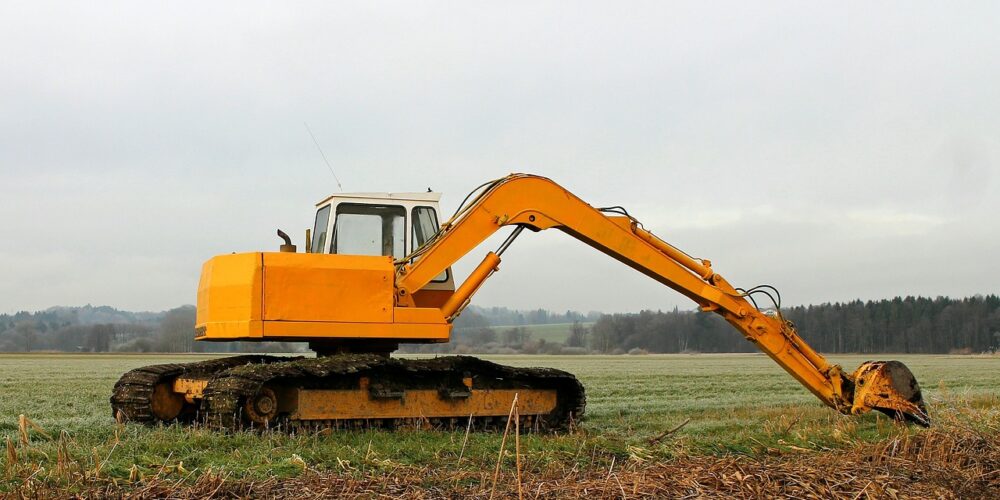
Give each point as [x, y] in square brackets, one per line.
[376, 272]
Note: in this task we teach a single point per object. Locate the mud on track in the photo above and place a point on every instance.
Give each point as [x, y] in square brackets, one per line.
[925, 465]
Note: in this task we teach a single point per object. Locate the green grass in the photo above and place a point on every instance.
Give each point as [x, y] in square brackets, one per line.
[736, 404]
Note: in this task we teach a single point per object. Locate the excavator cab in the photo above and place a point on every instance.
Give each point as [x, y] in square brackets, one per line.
[337, 293]
[387, 224]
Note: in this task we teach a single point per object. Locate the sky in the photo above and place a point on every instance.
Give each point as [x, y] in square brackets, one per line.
[834, 151]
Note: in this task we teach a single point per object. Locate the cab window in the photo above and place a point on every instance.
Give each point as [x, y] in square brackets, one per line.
[425, 226]
[318, 243]
[369, 230]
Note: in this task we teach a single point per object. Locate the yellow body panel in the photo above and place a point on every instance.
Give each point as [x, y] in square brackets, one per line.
[298, 296]
[410, 332]
[326, 287]
[318, 404]
[360, 403]
[229, 291]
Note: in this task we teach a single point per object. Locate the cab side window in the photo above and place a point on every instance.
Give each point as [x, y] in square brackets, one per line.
[318, 243]
[425, 226]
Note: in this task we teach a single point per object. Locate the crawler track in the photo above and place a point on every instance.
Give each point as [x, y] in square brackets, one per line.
[231, 381]
[132, 396]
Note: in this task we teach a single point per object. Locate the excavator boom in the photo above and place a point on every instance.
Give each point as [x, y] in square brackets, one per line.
[538, 203]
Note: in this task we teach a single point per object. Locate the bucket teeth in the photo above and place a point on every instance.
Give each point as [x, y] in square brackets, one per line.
[891, 388]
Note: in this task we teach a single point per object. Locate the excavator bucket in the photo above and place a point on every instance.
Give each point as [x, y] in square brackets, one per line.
[891, 388]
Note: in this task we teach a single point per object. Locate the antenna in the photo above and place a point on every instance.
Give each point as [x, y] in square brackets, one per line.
[324, 157]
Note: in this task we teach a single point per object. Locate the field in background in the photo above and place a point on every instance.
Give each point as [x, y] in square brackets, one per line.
[553, 332]
[734, 405]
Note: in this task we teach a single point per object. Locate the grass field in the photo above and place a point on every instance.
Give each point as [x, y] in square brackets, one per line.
[737, 405]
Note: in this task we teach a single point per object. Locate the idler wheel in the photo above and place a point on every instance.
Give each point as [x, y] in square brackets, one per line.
[262, 407]
[164, 403]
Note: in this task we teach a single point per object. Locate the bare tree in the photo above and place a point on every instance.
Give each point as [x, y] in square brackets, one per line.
[27, 332]
[515, 337]
[176, 331]
[577, 335]
[99, 338]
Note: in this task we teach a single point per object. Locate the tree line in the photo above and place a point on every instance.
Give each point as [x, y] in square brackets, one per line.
[898, 325]
[502, 316]
[105, 329]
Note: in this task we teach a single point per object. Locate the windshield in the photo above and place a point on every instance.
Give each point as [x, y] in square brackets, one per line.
[370, 230]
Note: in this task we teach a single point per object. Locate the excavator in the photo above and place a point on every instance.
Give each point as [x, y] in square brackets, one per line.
[376, 273]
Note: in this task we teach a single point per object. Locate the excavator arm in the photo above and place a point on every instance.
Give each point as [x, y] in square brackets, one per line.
[537, 203]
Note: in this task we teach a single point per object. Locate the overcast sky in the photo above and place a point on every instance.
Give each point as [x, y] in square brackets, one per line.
[834, 152]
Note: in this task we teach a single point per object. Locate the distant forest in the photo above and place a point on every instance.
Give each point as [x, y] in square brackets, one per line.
[899, 325]
[105, 329]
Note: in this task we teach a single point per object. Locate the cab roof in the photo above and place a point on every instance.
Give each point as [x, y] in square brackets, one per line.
[425, 197]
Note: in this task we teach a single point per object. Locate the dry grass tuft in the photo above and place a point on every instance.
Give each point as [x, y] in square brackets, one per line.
[12, 460]
[950, 462]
